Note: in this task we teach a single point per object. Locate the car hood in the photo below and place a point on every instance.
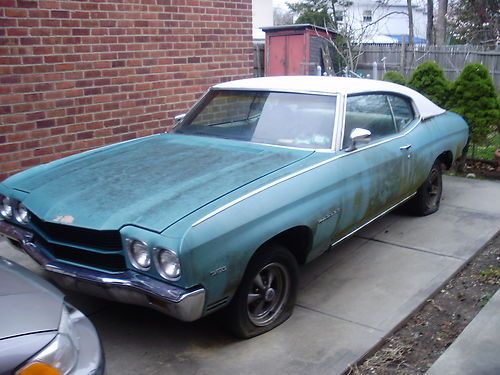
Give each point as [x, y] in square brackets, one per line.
[151, 182]
[28, 304]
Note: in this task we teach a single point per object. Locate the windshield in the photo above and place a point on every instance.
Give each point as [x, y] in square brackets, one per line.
[286, 119]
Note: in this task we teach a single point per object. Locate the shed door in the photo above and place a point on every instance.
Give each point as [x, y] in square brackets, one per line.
[286, 55]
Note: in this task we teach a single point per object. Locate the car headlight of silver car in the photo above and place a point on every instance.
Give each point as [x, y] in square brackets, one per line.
[60, 356]
[6, 209]
[167, 264]
[139, 254]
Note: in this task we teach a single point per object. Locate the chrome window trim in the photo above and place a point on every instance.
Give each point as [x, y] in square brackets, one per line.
[392, 114]
[307, 92]
[416, 114]
[302, 171]
[340, 121]
[317, 93]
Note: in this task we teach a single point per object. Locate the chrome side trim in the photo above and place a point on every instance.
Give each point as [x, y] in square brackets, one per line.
[267, 89]
[298, 173]
[372, 220]
[128, 287]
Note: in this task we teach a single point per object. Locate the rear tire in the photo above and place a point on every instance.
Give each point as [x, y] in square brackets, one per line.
[428, 196]
[267, 293]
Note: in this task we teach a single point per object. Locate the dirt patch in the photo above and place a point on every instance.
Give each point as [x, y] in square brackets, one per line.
[487, 169]
[429, 332]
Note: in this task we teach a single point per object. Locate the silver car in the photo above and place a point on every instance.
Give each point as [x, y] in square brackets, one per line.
[39, 332]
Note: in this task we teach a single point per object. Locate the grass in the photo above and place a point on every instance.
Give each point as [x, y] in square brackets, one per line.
[490, 275]
[487, 151]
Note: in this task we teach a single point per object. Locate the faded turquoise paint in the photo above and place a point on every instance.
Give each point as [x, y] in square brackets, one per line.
[151, 183]
[362, 184]
[189, 177]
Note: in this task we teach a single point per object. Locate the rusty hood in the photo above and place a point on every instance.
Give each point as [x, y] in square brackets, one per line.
[150, 182]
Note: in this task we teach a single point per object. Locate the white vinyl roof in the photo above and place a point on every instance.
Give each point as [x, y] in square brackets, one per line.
[333, 85]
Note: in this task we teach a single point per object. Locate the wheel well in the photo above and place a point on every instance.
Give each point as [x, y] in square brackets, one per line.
[446, 158]
[298, 240]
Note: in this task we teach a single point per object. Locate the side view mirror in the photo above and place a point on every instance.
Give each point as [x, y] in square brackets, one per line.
[358, 135]
[179, 118]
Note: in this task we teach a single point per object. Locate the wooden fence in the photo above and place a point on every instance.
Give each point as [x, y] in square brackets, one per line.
[452, 59]
[258, 59]
[393, 57]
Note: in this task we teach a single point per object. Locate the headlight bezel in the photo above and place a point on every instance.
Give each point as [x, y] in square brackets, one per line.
[132, 257]
[158, 251]
[14, 210]
[6, 207]
[18, 215]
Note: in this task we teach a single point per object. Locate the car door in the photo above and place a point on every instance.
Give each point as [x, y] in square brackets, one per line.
[375, 172]
[406, 120]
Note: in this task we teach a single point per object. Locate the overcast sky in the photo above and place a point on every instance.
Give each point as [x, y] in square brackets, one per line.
[280, 3]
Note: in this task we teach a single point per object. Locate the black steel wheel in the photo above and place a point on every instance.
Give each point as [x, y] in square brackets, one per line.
[267, 293]
[428, 196]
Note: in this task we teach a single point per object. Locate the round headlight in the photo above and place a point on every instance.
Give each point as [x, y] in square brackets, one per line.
[168, 264]
[21, 213]
[139, 255]
[5, 207]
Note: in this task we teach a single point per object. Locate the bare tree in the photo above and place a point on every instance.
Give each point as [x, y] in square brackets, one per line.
[282, 16]
[441, 22]
[430, 22]
[348, 37]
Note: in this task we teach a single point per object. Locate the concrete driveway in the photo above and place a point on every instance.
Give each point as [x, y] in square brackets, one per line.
[349, 300]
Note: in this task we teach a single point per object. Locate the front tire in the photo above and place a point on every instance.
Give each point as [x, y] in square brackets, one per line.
[267, 293]
[428, 196]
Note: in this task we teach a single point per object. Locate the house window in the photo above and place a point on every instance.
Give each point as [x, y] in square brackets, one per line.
[339, 16]
[367, 16]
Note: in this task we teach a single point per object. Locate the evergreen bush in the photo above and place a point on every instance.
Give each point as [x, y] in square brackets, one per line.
[473, 96]
[395, 77]
[429, 80]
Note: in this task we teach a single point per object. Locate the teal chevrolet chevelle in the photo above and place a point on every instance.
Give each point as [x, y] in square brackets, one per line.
[259, 177]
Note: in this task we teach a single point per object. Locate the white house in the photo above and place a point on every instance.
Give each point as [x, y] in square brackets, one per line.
[262, 16]
[379, 21]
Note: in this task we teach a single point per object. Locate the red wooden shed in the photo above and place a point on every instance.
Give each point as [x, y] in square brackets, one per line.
[297, 50]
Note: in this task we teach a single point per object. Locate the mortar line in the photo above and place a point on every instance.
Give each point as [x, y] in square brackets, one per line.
[338, 317]
[414, 248]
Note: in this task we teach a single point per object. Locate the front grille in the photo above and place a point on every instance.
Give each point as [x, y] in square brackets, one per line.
[97, 239]
[114, 262]
[100, 249]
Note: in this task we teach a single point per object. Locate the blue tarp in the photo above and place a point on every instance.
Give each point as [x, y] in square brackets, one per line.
[416, 39]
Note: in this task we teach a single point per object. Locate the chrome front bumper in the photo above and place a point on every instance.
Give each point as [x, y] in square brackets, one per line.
[127, 287]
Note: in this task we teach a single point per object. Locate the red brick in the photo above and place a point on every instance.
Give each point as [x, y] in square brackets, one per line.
[10, 12]
[45, 123]
[108, 71]
[27, 4]
[35, 116]
[8, 3]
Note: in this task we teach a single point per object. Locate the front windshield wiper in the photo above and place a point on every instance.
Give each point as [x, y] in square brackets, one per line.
[225, 122]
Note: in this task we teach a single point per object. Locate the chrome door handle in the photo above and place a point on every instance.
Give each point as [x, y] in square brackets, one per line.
[405, 147]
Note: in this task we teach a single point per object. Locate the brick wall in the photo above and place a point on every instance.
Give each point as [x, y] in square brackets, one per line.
[75, 75]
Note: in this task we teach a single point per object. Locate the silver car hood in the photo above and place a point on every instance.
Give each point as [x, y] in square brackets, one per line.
[28, 304]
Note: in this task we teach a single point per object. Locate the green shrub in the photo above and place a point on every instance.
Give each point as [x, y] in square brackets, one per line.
[473, 96]
[430, 81]
[395, 77]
